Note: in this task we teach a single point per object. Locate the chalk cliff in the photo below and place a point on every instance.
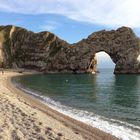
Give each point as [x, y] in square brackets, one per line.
[44, 51]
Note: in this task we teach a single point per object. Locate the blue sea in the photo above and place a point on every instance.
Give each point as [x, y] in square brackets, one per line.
[104, 100]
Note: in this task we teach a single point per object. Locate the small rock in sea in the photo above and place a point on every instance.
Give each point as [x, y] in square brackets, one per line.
[67, 81]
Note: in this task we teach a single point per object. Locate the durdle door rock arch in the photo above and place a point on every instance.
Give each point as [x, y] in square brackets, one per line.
[122, 45]
[20, 48]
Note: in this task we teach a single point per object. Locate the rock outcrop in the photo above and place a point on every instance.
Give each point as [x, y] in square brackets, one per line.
[47, 53]
[122, 45]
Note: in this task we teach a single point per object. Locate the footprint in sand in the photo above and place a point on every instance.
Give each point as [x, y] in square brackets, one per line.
[60, 134]
[47, 131]
[40, 123]
[14, 135]
[37, 129]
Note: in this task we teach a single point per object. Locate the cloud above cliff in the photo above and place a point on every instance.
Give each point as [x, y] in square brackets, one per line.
[50, 25]
[110, 13]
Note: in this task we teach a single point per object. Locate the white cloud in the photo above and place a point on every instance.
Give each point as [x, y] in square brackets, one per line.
[104, 12]
[50, 26]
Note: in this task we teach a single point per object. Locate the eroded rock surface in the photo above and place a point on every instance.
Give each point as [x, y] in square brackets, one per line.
[122, 45]
[47, 53]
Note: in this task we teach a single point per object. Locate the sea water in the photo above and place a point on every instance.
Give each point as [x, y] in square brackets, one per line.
[106, 101]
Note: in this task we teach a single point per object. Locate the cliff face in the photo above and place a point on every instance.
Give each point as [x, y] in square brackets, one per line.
[42, 51]
[47, 53]
[25, 49]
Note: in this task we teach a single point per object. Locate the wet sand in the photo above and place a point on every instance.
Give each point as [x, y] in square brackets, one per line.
[23, 117]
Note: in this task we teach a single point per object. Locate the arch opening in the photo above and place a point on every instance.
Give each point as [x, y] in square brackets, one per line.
[104, 61]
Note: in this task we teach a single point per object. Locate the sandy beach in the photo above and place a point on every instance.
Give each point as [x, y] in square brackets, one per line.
[23, 117]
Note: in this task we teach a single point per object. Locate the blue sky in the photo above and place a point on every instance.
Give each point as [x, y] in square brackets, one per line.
[67, 29]
[72, 20]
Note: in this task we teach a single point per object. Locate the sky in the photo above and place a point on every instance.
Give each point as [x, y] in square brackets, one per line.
[72, 20]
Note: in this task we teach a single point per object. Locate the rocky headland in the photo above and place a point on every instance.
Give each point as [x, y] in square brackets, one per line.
[45, 52]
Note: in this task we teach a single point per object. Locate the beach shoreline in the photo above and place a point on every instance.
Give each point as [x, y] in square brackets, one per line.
[72, 129]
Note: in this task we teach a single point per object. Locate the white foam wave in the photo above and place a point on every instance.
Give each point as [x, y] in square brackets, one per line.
[117, 128]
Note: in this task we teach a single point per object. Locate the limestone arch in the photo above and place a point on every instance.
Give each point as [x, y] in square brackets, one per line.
[122, 45]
